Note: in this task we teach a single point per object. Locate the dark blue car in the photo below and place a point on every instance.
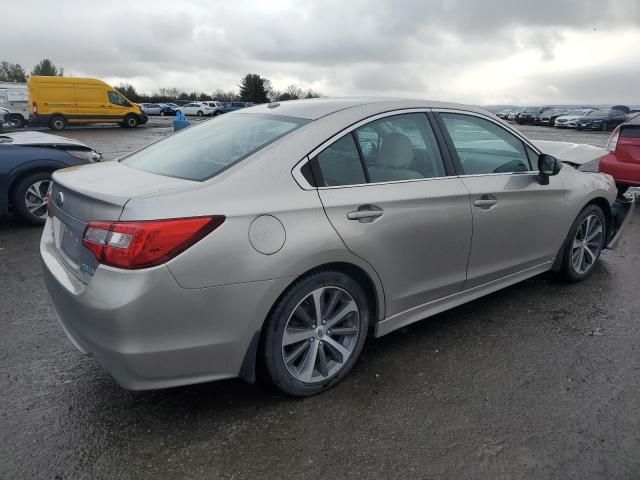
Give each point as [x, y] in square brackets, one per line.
[27, 160]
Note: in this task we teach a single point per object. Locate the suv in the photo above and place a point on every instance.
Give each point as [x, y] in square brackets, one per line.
[529, 114]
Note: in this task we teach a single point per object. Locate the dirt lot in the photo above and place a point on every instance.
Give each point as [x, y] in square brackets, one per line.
[539, 381]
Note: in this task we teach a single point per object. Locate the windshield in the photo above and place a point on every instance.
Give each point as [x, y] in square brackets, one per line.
[532, 110]
[596, 112]
[576, 112]
[204, 150]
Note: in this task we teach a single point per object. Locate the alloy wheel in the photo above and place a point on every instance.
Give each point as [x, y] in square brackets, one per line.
[587, 244]
[35, 198]
[321, 335]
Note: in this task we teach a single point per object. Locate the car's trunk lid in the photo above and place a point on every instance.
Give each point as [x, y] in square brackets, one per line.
[96, 192]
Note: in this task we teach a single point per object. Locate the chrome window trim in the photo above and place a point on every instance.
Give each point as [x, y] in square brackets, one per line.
[302, 182]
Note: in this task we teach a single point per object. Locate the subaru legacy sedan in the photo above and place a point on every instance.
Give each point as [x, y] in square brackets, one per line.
[277, 238]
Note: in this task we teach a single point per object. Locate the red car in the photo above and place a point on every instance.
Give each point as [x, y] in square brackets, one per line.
[623, 159]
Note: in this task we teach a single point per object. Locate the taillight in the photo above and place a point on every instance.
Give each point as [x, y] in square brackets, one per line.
[135, 245]
[613, 140]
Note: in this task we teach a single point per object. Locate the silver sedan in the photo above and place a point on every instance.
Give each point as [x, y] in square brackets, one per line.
[281, 236]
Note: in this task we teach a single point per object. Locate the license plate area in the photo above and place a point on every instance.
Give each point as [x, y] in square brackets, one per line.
[68, 232]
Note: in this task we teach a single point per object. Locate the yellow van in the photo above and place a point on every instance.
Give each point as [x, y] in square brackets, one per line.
[60, 101]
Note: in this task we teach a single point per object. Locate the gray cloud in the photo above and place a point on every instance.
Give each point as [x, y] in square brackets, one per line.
[383, 47]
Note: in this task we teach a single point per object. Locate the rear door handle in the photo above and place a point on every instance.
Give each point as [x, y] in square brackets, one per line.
[486, 201]
[365, 213]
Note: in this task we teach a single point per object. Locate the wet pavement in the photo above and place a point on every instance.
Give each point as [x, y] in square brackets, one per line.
[538, 381]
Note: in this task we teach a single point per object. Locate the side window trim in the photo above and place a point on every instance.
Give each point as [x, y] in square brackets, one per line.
[454, 155]
[447, 158]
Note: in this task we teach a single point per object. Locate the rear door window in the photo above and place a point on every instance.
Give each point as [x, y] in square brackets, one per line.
[204, 150]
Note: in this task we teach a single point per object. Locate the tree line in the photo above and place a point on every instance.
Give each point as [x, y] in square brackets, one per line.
[252, 88]
[14, 72]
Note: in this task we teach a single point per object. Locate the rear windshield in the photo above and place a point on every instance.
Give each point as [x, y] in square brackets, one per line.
[204, 150]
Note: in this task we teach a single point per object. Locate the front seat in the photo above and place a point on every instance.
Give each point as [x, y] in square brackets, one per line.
[394, 160]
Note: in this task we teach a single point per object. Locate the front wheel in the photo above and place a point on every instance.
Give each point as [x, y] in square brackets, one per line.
[162, 114]
[130, 121]
[200, 113]
[605, 126]
[584, 244]
[315, 333]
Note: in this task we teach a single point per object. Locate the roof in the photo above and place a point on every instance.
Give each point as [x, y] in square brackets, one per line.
[314, 108]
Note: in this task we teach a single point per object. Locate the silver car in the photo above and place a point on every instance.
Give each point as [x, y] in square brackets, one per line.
[279, 237]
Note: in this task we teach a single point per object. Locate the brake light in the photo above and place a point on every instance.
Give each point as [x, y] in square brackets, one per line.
[613, 140]
[143, 244]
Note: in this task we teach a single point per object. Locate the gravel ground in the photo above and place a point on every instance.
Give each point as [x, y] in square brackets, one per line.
[538, 381]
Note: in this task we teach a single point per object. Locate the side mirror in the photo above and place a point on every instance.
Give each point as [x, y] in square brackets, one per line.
[548, 165]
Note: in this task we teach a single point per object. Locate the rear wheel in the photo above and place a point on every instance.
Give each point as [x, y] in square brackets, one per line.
[30, 197]
[57, 123]
[162, 114]
[16, 120]
[130, 121]
[315, 333]
[584, 244]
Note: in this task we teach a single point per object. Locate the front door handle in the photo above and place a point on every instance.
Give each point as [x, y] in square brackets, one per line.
[486, 201]
[365, 213]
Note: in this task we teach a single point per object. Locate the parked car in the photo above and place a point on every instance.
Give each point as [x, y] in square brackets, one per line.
[623, 159]
[601, 120]
[503, 114]
[529, 114]
[513, 115]
[570, 119]
[151, 108]
[60, 101]
[196, 108]
[548, 117]
[168, 110]
[285, 234]
[27, 160]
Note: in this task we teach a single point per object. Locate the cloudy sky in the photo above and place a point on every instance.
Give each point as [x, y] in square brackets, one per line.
[472, 51]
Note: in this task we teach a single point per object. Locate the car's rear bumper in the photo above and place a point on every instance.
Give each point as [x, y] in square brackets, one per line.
[623, 172]
[149, 332]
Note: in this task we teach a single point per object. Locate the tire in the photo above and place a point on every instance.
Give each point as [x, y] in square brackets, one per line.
[605, 126]
[16, 120]
[57, 123]
[162, 114]
[217, 113]
[130, 121]
[200, 113]
[29, 197]
[577, 266]
[333, 355]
